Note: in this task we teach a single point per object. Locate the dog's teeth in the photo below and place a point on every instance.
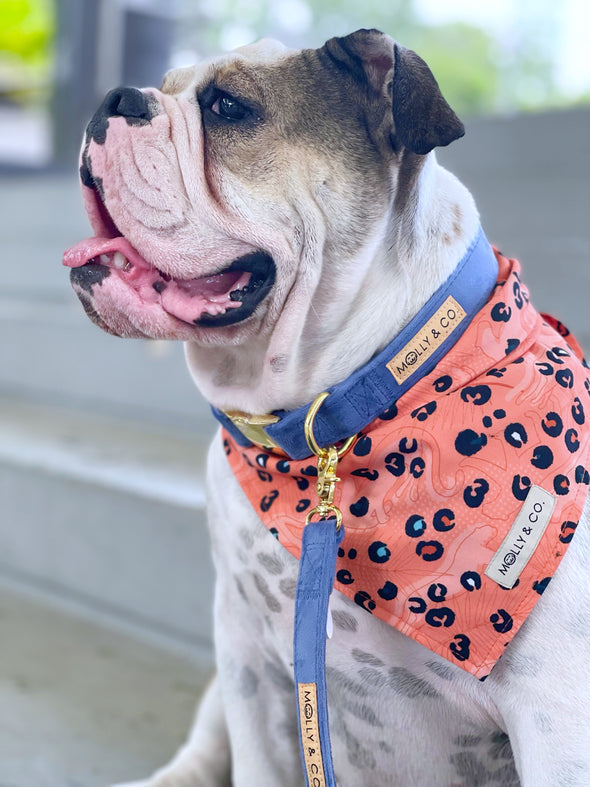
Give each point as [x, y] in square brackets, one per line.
[128, 266]
[105, 258]
[119, 260]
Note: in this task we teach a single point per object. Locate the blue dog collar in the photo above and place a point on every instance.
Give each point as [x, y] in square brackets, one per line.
[413, 354]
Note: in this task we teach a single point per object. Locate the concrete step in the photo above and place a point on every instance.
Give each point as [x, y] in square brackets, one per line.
[82, 705]
[108, 518]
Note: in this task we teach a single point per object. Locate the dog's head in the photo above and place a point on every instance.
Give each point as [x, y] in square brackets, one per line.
[235, 195]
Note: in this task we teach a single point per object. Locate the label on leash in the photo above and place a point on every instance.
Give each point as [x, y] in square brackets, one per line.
[310, 734]
[523, 538]
[428, 339]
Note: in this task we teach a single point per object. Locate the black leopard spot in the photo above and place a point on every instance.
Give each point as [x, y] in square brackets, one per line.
[415, 526]
[501, 621]
[437, 592]
[552, 424]
[302, 483]
[429, 550]
[441, 616]
[460, 647]
[556, 355]
[389, 414]
[521, 486]
[424, 412]
[364, 472]
[475, 493]
[283, 466]
[561, 484]
[417, 605]
[515, 435]
[364, 600]
[261, 459]
[471, 580]
[417, 467]
[378, 552]
[344, 577]
[395, 464]
[545, 369]
[542, 457]
[582, 475]
[443, 383]
[501, 313]
[468, 442]
[443, 520]
[227, 447]
[511, 345]
[487, 421]
[275, 532]
[359, 508]
[476, 394]
[302, 505]
[499, 414]
[408, 448]
[565, 378]
[578, 412]
[268, 500]
[496, 373]
[541, 585]
[388, 592]
[310, 470]
[264, 475]
[572, 441]
[362, 446]
[567, 531]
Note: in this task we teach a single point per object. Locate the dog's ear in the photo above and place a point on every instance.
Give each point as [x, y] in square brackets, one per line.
[422, 118]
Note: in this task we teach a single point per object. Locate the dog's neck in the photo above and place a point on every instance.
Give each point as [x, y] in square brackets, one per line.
[358, 307]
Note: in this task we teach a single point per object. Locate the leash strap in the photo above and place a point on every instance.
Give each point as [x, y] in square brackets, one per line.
[317, 567]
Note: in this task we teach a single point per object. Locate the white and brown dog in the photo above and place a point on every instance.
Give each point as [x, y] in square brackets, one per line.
[283, 213]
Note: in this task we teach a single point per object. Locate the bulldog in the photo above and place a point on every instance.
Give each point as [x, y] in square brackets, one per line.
[283, 213]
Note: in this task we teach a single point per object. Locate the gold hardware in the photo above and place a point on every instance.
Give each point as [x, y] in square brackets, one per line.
[252, 427]
[327, 464]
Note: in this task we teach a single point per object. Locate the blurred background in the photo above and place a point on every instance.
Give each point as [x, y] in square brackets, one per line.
[105, 581]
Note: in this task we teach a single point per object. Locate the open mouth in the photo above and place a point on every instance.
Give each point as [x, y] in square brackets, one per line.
[225, 297]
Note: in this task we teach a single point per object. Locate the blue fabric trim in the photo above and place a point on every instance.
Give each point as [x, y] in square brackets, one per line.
[317, 567]
[371, 390]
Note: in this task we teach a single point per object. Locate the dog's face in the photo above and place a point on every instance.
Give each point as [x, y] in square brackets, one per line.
[232, 200]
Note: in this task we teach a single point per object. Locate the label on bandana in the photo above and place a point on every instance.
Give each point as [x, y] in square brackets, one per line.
[428, 339]
[517, 548]
[440, 493]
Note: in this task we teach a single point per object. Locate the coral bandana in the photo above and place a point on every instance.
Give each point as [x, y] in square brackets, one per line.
[482, 466]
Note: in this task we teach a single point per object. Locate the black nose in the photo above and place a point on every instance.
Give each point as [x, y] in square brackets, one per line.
[127, 102]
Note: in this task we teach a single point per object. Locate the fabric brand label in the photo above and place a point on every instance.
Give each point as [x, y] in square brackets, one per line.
[310, 734]
[428, 339]
[523, 538]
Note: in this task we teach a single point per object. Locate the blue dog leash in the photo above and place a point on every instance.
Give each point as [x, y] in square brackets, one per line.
[314, 584]
[317, 567]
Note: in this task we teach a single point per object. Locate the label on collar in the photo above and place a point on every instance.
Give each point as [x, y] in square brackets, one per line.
[428, 339]
[523, 538]
[310, 734]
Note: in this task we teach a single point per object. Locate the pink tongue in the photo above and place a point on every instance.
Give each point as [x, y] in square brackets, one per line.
[187, 299]
[89, 248]
[211, 285]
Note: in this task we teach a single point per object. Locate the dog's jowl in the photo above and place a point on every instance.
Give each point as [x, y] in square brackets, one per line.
[283, 213]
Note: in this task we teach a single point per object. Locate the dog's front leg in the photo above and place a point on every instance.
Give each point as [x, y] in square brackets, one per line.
[204, 760]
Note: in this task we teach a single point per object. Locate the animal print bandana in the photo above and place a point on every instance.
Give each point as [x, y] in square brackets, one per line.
[461, 499]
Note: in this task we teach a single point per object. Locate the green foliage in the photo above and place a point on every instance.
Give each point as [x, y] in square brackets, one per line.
[26, 36]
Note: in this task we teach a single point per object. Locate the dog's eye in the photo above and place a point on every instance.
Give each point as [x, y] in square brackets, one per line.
[229, 108]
